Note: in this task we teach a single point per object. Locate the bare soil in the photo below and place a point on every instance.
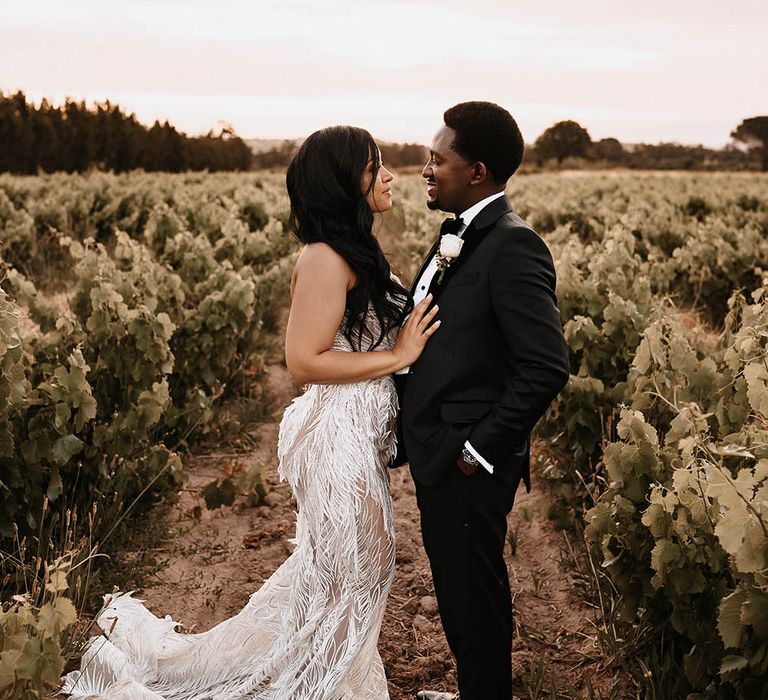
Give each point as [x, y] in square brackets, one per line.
[214, 559]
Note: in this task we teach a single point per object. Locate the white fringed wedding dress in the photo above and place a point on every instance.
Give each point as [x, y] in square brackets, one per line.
[311, 631]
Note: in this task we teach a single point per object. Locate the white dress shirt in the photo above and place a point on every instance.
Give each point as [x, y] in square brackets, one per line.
[422, 287]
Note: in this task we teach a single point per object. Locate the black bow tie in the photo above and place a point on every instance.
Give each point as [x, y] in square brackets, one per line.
[452, 226]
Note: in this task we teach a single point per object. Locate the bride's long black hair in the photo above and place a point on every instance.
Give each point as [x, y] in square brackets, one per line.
[324, 181]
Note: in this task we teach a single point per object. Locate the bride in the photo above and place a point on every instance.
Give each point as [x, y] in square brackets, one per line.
[311, 630]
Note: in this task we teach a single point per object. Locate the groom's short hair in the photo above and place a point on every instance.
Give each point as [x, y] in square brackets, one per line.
[487, 133]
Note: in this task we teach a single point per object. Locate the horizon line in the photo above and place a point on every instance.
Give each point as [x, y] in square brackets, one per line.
[221, 123]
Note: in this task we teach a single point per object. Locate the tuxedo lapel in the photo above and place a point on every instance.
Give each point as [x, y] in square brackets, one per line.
[489, 215]
[472, 237]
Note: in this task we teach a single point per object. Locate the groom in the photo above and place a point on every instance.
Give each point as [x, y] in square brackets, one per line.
[470, 401]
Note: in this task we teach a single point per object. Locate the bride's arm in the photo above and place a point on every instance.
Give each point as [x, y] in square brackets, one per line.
[321, 281]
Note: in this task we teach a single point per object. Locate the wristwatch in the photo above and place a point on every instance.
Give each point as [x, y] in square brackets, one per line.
[467, 462]
[468, 457]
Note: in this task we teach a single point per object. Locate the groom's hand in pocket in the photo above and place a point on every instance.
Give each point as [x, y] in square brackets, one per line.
[466, 468]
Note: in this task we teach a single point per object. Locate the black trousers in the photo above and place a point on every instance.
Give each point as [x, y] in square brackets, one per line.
[464, 526]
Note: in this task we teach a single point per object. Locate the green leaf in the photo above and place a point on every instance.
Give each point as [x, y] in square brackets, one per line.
[756, 375]
[57, 580]
[55, 485]
[219, 493]
[56, 616]
[657, 520]
[732, 664]
[65, 448]
[664, 553]
[9, 662]
[599, 522]
[61, 418]
[152, 404]
[41, 661]
[729, 619]
[754, 612]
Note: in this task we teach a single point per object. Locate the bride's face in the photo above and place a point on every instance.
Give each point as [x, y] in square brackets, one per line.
[379, 197]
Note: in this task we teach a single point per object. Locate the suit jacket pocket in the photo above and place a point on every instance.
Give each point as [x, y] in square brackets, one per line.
[464, 411]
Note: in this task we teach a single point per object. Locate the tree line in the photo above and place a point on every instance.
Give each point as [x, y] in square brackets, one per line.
[394, 155]
[568, 139]
[568, 144]
[76, 138]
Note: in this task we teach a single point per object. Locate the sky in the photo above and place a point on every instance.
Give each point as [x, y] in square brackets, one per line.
[641, 71]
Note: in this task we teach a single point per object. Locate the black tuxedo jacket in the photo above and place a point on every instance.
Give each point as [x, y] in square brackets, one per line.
[498, 358]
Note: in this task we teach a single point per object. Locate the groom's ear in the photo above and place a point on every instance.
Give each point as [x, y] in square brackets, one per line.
[479, 174]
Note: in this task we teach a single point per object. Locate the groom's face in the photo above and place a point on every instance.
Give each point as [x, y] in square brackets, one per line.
[447, 174]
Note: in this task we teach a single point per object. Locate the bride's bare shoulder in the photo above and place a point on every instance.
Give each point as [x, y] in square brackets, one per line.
[320, 254]
[319, 260]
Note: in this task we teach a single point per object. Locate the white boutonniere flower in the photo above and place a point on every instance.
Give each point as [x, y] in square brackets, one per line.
[449, 250]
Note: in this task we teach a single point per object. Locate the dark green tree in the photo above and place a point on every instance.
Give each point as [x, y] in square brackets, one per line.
[75, 138]
[46, 129]
[277, 157]
[563, 140]
[399, 155]
[16, 135]
[754, 133]
[80, 137]
[609, 149]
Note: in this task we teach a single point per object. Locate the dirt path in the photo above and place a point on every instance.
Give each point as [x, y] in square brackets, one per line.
[215, 559]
